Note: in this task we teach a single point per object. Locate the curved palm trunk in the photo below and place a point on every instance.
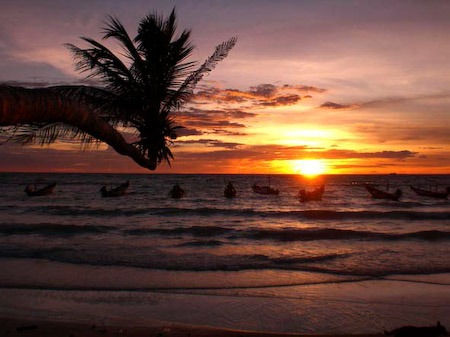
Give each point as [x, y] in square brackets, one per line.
[31, 106]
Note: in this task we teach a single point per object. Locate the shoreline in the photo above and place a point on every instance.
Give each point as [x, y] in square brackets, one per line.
[362, 308]
[44, 328]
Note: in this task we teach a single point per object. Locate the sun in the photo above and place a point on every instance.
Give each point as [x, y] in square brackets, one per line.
[310, 167]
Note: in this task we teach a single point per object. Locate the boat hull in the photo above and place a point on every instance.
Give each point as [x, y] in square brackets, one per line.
[265, 190]
[431, 194]
[379, 194]
[47, 190]
[315, 195]
[115, 192]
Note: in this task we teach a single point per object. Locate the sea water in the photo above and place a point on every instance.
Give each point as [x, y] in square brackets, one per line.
[348, 263]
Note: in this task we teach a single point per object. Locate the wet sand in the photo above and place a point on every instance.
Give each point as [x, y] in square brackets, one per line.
[24, 328]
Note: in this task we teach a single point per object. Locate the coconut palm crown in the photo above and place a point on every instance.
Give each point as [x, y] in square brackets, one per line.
[142, 88]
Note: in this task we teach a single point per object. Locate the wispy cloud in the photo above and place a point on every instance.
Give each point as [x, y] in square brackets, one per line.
[209, 143]
[337, 106]
[383, 132]
[280, 152]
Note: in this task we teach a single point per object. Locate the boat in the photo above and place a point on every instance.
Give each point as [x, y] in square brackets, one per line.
[315, 195]
[431, 194]
[229, 191]
[31, 190]
[380, 194]
[177, 192]
[266, 190]
[115, 192]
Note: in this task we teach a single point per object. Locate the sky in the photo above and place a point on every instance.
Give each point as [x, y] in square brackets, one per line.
[311, 86]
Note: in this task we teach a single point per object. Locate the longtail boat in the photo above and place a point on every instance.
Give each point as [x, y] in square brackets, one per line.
[229, 191]
[115, 192]
[431, 194]
[266, 190]
[315, 195]
[379, 194]
[33, 192]
[177, 192]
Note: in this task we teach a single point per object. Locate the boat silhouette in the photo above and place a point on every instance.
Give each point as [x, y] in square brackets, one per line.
[177, 192]
[431, 194]
[229, 191]
[115, 192]
[31, 190]
[315, 195]
[380, 194]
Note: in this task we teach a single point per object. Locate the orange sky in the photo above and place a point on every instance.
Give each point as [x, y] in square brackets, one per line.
[346, 87]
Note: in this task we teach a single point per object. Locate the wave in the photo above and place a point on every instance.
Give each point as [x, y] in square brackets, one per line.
[207, 243]
[194, 230]
[293, 234]
[52, 229]
[201, 262]
[306, 214]
[161, 260]
[248, 212]
[286, 234]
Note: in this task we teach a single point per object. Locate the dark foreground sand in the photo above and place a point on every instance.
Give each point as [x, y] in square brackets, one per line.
[23, 328]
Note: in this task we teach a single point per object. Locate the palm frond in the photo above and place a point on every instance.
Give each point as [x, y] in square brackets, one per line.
[100, 62]
[115, 29]
[50, 133]
[185, 91]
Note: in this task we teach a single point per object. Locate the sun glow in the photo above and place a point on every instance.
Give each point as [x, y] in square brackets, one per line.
[310, 167]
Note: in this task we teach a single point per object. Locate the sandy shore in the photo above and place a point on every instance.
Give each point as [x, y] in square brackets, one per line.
[15, 327]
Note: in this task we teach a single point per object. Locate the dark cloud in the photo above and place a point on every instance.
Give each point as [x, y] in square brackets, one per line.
[210, 143]
[280, 152]
[29, 159]
[37, 82]
[282, 100]
[257, 97]
[185, 132]
[383, 132]
[336, 106]
[358, 166]
[213, 124]
[382, 102]
[226, 132]
[401, 99]
[304, 88]
[351, 154]
[264, 90]
[28, 73]
[198, 121]
[216, 113]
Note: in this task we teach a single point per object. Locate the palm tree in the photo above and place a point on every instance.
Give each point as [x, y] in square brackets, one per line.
[141, 92]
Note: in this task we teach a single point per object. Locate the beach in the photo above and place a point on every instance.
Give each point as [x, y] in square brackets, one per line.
[44, 328]
[205, 265]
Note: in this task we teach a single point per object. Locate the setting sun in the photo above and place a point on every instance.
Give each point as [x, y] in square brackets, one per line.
[310, 167]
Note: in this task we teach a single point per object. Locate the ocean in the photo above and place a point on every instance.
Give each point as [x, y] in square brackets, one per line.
[348, 263]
